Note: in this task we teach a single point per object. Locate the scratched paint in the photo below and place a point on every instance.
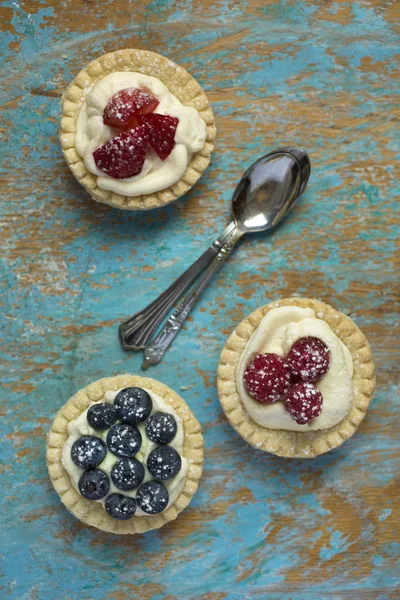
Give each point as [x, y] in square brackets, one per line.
[321, 75]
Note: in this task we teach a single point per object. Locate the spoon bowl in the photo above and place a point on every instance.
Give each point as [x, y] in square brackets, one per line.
[269, 189]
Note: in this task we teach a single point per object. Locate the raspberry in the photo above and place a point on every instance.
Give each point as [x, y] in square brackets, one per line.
[303, 402]
[267, 378]
[124, 155]
[161, 130]
[122, 108]
[308, 359]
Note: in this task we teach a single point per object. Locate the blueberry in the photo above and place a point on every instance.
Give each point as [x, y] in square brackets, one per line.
[164, 462]
[152, 497]
[120, 507]
[94, 484]
[88, 451]
[124, 440]
[161, 428]
[101, 416]
[127, 473]
[133, 405]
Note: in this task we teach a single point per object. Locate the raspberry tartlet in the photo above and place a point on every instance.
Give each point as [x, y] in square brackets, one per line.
[137, 131]
[125, 454]
[296, 377]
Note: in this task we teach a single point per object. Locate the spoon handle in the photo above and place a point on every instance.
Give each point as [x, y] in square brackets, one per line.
[136, 331]
[156, 349]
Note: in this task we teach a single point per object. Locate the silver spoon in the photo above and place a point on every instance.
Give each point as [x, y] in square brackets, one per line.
[264, 195]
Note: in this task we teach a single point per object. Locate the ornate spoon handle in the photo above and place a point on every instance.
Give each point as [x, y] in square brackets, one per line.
[157, 348]
[136, 331]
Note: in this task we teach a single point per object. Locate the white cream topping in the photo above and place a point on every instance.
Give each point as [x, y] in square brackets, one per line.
[277, 332]
[156, 174]
[80, 427]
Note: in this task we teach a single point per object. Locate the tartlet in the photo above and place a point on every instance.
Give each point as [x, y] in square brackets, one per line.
[94, 513]
[179, 83]
[300, 444]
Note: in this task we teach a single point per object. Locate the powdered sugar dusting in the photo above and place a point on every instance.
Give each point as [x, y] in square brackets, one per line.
[125, 104]
[308, 359]
[152, 497]
[267, 378]
[123, 156]
[88, 451]
[303, 402]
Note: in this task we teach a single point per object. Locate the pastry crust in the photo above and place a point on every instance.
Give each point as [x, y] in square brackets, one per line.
[93, 513]
[178, 81]
[293, 444]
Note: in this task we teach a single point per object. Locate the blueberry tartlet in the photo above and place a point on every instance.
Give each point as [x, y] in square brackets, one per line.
[125, 454]
[296, 377]
[137, 130]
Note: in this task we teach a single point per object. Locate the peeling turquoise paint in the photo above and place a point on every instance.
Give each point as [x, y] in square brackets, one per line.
[338, 543]
[32, 28]
[385, 514]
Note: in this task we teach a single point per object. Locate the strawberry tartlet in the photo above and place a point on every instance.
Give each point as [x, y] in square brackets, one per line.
[296, 377]
[137, 130]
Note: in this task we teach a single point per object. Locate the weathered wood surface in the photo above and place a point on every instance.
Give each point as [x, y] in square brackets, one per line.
[319, 74]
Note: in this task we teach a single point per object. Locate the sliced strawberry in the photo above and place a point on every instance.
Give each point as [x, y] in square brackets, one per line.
[161, 130]
[122, 108]
[124, 155]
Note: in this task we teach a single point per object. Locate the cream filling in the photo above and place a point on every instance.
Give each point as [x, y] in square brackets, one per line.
[156, 174]
[80, 427]
[277, 332]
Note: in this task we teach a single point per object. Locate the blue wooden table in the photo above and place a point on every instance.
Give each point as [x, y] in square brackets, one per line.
[317, 74]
